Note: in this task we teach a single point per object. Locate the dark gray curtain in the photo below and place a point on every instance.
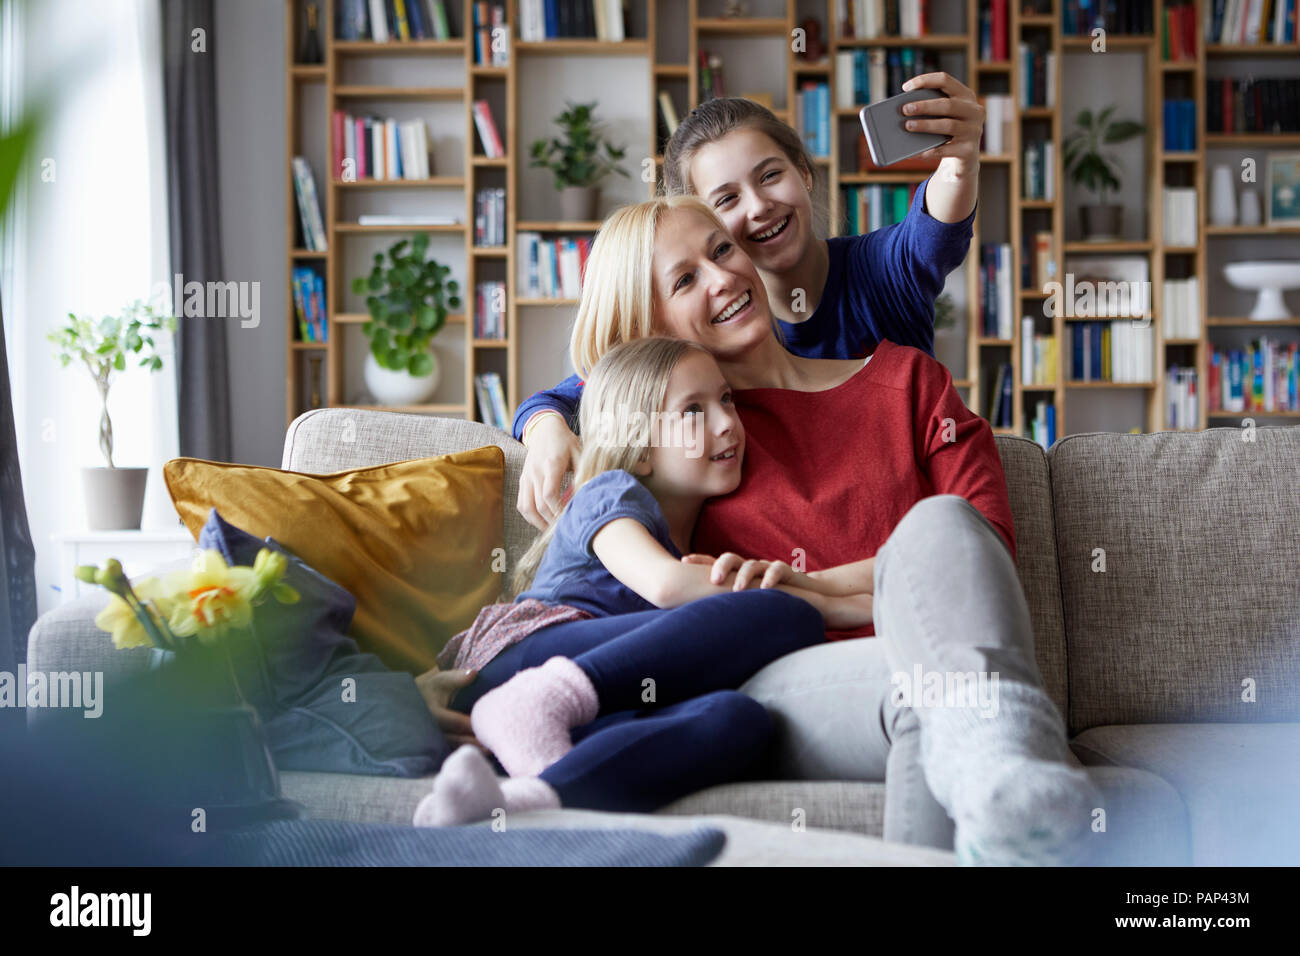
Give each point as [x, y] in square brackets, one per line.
[17, 555]
[194, 214]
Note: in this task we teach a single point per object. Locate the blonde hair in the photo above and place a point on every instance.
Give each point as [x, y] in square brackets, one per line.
[628, 384]
[617, 302]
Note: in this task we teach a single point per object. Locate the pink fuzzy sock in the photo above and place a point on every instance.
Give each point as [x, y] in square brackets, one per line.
[526, 721]
[467, 790]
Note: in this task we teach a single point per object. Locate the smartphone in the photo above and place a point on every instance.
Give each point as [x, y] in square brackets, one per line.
[887, 138]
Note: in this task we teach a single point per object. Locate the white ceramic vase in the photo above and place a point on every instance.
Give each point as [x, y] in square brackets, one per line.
[1251, 212]
[1223, 197]
[400, 388]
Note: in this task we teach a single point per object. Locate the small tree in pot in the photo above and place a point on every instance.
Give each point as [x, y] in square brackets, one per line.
[114, 496]
[407, 297]
[579, 161]
[1089, 168]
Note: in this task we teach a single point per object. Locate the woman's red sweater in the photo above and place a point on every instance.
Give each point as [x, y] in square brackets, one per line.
[828, 475]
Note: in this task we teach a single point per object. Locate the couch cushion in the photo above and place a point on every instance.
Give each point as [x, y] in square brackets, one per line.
[334, 439]
[1200, 592]
[415, 542]
[1029, 488]
[850, 806]
[1238, 782]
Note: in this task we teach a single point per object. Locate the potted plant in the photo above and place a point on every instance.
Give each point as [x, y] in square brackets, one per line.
[1090, 168]
[407, 297]
[579, 161]
[114, 496]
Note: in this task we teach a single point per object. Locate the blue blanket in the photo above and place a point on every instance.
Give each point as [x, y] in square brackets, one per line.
[334, 843]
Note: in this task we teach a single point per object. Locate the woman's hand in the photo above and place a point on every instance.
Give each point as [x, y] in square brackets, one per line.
[773, 573]
[552, 453]
[847, 612]
[438, 688]
[951, 192]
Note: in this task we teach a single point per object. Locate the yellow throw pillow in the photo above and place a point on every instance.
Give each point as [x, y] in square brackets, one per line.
[412, 541]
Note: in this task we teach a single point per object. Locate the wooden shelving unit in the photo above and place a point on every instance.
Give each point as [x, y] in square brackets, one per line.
[672, 34]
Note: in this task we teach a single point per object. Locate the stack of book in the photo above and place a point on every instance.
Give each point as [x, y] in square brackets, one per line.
[997, 297]
[812, 116]
[490, 310]
[491, 400]
[1181, 312]
[1000, 397]
[309, 217]
[1178, 33]
[1180, 125]
[491, 40]
[865, 76]
[1037, 74]
[551, 269]
[1119, 351]
[867, 208]
[1268, 104]
[384, 20]
[1037, 261]
[490, 217]
[1120, 17]
[309, 305]
[710, 76]
[1037, 355]
[1040, 170]
[371, 147]
[1180, 216]
[488, 137]
[1259, 378]
[994, 46]
[865, 19]
[1250, 21]
[1180, 398]
[551, 19]
[1042, 428]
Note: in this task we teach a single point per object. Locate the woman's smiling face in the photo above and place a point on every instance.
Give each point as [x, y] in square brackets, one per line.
[705, 288]
[761, 196]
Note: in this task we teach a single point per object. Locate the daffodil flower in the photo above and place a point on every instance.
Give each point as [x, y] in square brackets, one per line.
[211, 599]
[121, 621]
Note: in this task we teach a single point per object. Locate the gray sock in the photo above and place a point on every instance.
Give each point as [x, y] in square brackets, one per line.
[1006, 780]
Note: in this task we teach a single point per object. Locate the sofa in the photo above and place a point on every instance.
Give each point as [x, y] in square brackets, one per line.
[1161, 575]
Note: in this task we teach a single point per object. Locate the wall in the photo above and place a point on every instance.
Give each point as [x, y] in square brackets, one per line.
[249, 47]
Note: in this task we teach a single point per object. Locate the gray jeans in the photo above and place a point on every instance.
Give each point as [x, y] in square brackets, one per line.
[947, 598]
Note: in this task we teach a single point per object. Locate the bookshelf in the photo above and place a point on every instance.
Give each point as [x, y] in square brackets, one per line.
[662, 54]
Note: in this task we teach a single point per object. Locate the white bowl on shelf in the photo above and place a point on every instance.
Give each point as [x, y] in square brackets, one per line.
[1269, 279]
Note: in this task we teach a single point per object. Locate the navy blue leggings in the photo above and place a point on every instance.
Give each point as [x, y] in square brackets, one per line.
[697, 730]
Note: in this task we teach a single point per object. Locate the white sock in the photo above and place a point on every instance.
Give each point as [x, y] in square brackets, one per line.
[467, 789]
[1006, 782]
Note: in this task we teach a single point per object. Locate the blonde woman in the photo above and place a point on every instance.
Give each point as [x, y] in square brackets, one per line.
[605, 604]
[873, 476]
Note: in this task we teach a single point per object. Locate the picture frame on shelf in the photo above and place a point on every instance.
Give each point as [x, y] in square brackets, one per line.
[1284, 189]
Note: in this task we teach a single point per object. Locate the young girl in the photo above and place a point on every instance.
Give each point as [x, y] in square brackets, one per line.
[833, 298]
[606, 683]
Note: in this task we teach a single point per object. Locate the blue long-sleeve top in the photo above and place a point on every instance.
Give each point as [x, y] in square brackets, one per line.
[878, 286]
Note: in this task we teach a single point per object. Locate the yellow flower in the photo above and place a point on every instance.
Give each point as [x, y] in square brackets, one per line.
[211, 599]
[119, 620]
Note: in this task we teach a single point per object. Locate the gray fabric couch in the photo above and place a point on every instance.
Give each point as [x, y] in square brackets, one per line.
[1161, 575]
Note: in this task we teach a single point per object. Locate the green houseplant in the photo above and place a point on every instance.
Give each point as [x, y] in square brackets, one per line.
[579, 159]
[114, 496]
[1096, 171]
[407, 297]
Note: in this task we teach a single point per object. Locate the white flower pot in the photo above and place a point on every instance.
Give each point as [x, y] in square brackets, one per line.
[1223, 197]
[400, 388]
[114, 497]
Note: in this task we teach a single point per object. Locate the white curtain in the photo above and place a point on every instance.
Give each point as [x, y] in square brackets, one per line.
[93, 238]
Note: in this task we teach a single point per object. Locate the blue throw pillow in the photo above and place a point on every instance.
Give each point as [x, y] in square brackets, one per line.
[325, 705]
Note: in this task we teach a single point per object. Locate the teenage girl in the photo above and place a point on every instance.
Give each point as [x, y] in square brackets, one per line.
[606, 684]
[833, 298]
